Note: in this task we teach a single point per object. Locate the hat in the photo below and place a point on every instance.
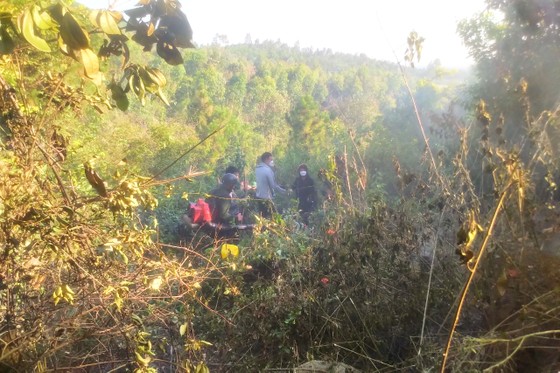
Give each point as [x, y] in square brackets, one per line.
[302, 166]
[229, 180]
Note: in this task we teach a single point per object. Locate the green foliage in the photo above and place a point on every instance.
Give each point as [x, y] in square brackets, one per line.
[311, 128]
[93, 272]
[515, 41]
[338, 293]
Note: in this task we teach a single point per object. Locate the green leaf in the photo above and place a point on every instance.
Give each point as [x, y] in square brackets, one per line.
[28, 31]
[137, 320]
[42, 19]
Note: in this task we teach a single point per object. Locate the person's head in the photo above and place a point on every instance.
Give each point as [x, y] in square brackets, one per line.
[229, 181]
[267, 158]
[302, 170]
[232, 170]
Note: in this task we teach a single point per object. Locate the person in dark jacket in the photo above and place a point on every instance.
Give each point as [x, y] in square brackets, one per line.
[222, 205]
[242, 189]
[304, 190]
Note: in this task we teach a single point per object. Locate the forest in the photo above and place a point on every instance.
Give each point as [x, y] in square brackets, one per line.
[433, 245]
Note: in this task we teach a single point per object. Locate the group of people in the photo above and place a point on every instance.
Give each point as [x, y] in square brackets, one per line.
[223, 200]
[303, 188]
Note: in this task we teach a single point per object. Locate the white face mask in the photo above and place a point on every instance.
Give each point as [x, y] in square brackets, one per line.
[303, 172]
[271, 163]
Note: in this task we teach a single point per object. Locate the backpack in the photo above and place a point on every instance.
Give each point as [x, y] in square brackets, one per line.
[199, 212]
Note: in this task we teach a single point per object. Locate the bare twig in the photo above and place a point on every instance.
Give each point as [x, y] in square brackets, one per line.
[372, 360]
[430, 280]
[348, 178]
[187, 152]
[465, 290]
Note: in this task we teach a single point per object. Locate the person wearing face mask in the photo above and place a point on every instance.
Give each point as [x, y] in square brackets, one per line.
[266, 185]
[304, 190]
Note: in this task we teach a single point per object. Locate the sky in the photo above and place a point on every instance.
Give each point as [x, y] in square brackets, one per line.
[378, 29]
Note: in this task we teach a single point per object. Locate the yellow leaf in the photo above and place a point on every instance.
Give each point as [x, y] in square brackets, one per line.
[183, 329]
[68, 290]
[116, 15]
[224, 252]
[162, 97]
[122, 255]
[107, 23]
[93, 17]
[108, 290]
[90, 61]
[118, 301]
[151, 29]
[229, 249]
[28, 31]
[472, 236]
[202, 368]
[142, 361]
